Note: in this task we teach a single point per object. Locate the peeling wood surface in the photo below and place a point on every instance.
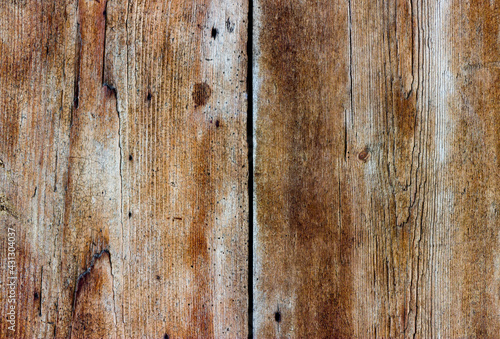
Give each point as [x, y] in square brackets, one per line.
[376, 169]
[124, 167]
[375, 179]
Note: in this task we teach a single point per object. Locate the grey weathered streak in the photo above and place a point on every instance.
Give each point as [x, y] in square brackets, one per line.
[377, 160]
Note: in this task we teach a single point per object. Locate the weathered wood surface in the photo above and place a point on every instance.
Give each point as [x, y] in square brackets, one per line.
[124, 167]
[377, 169]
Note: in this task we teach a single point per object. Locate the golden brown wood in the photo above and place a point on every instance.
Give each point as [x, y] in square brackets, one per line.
[377, 169]
[124, 167]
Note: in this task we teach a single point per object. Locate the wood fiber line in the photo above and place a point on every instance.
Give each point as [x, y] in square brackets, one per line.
[376, 169]
[124, 167]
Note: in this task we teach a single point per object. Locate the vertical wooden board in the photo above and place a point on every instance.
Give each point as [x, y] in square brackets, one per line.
[473, 155]
[376, 190]
[303, 234]
[181, 90]
[37, 76]
[124, 167]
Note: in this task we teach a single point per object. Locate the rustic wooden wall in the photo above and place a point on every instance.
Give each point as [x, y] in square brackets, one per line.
[374, 201]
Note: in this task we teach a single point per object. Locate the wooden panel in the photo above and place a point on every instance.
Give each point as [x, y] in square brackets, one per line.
[376, 169]
[124, 167]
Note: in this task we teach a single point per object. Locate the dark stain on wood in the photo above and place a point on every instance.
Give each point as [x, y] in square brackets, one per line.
[201, 93]
[198, 253]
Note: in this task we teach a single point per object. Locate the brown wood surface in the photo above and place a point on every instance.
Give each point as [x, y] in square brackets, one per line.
[124, 167]
[374, 202]
[377, 169]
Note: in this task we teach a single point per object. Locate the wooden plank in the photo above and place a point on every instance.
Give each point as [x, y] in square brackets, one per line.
[376, 169]
[124, 167]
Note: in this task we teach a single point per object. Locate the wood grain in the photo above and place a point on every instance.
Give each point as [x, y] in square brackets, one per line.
[124, 167]
[376, 169]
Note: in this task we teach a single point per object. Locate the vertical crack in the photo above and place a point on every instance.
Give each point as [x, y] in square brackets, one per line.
[351, 82]
[112, 286]
[120, 149]
[78, 55]
[105, 14]
[112, 88]
[41, 293]
[250, 167]
[80, 281]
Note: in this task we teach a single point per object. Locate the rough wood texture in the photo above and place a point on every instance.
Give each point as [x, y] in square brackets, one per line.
[123, 166]
[377, 169]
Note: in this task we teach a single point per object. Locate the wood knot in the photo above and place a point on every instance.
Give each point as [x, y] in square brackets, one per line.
[364, 154]
[201, 93]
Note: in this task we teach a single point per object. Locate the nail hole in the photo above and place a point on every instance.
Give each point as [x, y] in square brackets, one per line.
[214, 32]
[277, 316]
